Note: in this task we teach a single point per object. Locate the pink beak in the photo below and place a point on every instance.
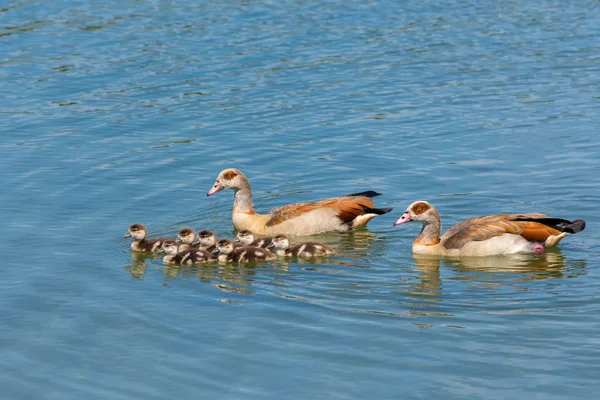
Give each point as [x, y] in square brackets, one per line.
[405, 218]
[217, 187]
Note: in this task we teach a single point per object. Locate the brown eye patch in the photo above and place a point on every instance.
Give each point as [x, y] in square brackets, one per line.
[420, 208]
[229, 175]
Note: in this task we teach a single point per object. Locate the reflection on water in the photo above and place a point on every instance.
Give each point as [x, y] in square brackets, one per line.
[427, 284]
[523, 267]
[138, 266]
[228, 277]
[361, 278]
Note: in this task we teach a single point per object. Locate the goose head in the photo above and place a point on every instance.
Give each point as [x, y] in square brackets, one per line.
[229, 178]
[136, 231]
[421, 211]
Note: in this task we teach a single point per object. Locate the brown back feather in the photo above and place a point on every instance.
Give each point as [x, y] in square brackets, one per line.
[348, 208]
[483, 228]
[488, 218]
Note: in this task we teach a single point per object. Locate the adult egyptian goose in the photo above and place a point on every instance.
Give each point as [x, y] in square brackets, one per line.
[246, 238]
[186, 238]
[140, 243]
[336, 214]
[185, 257]
[227, 252]
[486, 236]
[308, 249]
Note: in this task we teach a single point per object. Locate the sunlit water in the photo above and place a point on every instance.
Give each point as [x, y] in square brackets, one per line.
[116, 113]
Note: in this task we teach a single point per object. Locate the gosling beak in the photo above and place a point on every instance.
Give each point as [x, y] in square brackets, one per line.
[405, 218]
[215, 250]
[237, 239]
[160, 251]
[178, 240]
[217, 187]
[128, 234]
[196, 241]
[270, 245]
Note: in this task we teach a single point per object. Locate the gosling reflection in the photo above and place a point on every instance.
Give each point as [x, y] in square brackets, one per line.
[137, 268]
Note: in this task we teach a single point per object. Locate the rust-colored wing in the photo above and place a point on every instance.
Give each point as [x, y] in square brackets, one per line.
[480, 232]
[490, 218]
[532, 226]
[347, 209]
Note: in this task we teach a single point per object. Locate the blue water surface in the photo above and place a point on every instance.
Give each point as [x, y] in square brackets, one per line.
[121, 112]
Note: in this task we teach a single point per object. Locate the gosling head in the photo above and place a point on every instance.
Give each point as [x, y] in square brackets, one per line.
[245, 237]
[229, 178]
[280, 242]
[136, 231]
[186, 236]
[171, 247]
[225, 246]
[206, 238]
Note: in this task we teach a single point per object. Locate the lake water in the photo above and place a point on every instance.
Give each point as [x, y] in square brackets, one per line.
[122, 112]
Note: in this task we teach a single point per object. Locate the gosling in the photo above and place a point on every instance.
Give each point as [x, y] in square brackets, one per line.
[246, 238]
[186, 257]
[140, 243]
[207, 240]
[309, 249]
[186, 238]
[228, 253]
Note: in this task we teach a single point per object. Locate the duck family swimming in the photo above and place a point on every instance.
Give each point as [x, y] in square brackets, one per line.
[480, 236]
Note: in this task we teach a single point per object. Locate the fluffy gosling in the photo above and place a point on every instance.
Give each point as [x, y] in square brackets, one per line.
[186, 257]
[140, 243]
[309, 249]
[228, 253]
[246, 238]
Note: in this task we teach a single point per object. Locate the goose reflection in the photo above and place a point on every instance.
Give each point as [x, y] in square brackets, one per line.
[524, 267]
